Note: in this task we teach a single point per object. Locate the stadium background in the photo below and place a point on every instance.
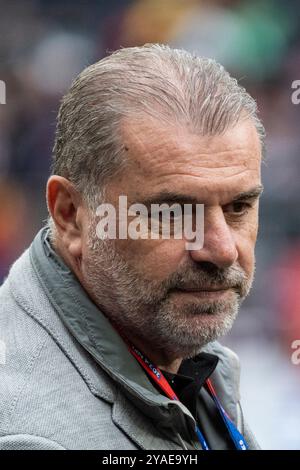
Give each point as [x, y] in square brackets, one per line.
[44, 44]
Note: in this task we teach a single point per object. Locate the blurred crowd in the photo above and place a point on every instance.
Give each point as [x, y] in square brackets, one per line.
[44, 44]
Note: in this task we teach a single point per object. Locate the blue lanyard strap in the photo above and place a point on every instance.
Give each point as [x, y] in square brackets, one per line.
[237, 438]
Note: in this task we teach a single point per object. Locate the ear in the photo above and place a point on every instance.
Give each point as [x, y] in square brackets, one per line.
[66, 208]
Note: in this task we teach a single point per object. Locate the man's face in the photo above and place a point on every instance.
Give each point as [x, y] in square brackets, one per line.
[157, 290]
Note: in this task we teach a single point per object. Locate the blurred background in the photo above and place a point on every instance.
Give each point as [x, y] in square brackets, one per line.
[44, 44]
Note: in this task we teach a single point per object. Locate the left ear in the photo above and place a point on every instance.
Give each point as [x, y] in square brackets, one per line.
[66, 208]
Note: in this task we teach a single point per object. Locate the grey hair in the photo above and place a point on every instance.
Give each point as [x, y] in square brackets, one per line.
[171, 85]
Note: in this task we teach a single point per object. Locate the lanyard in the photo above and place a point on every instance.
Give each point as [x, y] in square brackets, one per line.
[161, 381]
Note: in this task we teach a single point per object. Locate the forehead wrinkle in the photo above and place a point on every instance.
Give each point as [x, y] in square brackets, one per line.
[193, 170]
[205, 176]
[159, 157]
[196, 167]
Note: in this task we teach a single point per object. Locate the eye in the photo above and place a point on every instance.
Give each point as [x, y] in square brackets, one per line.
[237, 208]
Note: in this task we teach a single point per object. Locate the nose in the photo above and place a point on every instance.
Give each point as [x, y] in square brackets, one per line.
[219, 245]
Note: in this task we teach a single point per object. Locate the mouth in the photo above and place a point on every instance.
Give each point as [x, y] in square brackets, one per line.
[203, 289]
[205, 293]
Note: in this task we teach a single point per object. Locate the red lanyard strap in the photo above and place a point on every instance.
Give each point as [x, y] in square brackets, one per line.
[154, 373]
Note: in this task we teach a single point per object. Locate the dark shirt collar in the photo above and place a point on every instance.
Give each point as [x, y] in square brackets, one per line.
[191, 377]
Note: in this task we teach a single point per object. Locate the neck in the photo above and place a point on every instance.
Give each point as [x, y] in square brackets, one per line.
[160, 359]
[70, 261]
[172, 367]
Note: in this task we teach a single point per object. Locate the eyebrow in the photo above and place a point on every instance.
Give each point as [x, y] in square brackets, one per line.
[171, 197]
[252, 193]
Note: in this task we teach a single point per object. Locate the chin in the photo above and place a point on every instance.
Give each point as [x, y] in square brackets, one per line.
[185, 334]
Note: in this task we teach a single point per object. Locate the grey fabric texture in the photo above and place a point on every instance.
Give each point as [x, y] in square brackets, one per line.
[56, 393]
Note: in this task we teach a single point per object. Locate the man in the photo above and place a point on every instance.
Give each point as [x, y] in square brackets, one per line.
[111, 340]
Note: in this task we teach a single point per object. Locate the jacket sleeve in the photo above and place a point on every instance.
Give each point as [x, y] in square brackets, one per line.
[28, 442]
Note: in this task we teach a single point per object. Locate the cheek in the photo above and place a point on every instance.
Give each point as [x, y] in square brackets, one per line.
[154, 259]
[247, 260]
[246, 240]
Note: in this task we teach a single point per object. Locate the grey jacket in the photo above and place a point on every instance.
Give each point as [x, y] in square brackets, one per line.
[68, 381]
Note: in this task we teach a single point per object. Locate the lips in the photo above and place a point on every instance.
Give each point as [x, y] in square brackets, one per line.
[205, 289]
[207, 293]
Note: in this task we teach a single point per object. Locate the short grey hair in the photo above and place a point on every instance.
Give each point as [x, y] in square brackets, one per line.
[171, 85]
